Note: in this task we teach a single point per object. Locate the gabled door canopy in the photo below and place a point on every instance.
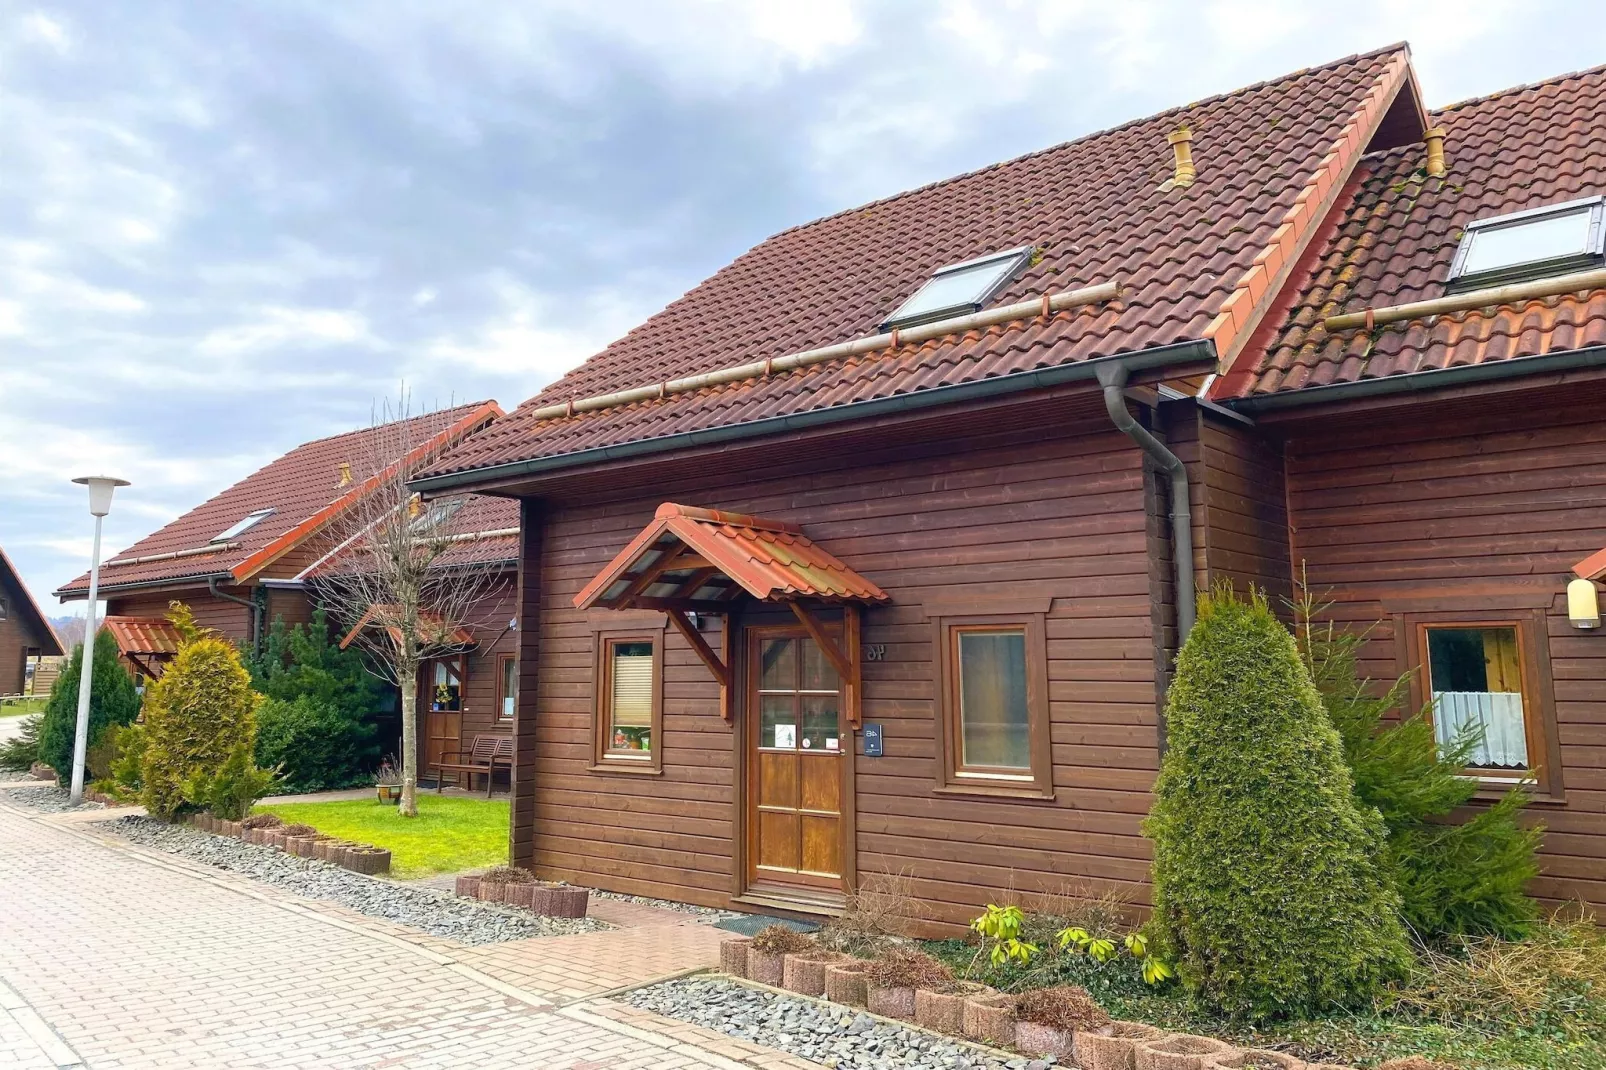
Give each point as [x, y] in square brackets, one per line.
[691, 560]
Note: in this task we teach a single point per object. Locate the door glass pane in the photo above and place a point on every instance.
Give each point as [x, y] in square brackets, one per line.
[1475, 675]
[779, 670]
[818, 672]
[993, 720]
[777, 721]
[820, 723]
[446, 691]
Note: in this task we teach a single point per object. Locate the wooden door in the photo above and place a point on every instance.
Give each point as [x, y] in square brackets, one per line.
[796, 761]
[441, 697]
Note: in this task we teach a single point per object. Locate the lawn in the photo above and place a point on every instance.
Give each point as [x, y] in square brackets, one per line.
[450, 833]
[22, 706]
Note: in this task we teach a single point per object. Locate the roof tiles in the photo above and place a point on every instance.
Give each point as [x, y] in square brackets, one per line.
[1094, 210]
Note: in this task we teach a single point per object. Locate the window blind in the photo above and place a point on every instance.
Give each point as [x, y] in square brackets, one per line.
[632, 685]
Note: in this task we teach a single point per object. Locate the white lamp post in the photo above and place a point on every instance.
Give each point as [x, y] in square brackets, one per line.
[100, 503]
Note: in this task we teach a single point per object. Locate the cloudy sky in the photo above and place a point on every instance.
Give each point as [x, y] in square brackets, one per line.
[227, 228]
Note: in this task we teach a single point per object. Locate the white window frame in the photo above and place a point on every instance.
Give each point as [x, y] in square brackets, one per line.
[1593, 254]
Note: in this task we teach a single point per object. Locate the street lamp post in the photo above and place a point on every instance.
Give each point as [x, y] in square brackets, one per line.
[100, 503]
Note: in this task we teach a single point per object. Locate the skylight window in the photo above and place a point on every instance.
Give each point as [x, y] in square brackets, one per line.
[242, 525]
[958, 289]
[1530, 245]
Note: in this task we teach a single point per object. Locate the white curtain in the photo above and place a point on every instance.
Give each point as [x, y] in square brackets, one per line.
[1497, 714]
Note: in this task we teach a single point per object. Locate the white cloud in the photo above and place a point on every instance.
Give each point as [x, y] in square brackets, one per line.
[50, 32]
[274, 327]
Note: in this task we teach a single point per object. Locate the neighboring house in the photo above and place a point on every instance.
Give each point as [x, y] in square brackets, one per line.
[239, 560]
[872, 553]
[25, 633]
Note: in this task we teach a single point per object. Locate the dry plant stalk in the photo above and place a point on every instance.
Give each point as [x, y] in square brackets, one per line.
[875, 913]
[393, 568]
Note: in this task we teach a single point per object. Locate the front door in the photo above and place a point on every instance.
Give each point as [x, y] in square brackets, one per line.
[796, 762]
[442, 699]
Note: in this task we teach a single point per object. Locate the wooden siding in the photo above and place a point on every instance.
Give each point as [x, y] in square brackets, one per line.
[228, 619]
[1058, 515]
[1243, 509]
[1481, 507]
[18, 641]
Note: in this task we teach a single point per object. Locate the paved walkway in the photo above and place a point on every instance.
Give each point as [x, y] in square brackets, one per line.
[113, 956]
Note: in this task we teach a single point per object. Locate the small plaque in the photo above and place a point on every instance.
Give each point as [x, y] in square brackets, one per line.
[872, 741]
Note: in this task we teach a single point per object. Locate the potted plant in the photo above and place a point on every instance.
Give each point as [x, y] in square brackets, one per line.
[1114, 1050]
[1048, 1019]
[766, 955]
[388, 783]
[891, 981]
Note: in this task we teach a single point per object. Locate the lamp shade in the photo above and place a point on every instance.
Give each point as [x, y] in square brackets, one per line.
[1583, 605]
[100, 492]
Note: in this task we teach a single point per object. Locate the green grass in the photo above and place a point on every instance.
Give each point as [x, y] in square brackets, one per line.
[450, 833]
[21, 707]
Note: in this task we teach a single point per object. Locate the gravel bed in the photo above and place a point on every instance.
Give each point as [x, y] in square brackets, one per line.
[825, 1033]
[46, 799]
[711, 913]
[438, 913]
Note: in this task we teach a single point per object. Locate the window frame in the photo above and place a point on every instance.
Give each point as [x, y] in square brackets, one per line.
[1015, 259]
[1538, 701]
[1593, 255]
[502, 662]
[242, 525]
[603, 758]
[952, 778]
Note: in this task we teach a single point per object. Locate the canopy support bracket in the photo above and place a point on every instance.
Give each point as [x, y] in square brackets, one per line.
[720, 668]
[843, 658]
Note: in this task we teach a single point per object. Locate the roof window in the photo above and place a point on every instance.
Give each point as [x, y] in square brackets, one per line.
[958, 289]
[1529, 245]
[242, 525]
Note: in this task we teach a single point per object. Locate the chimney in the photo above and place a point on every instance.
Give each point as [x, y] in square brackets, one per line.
[345, 474]
[1436, 167]
[1181, 140]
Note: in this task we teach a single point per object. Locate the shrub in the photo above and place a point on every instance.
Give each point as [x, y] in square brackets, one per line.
[197, 716]
[22, 749]
[233, 789]
[780, 940]
[1267, 889]
[128, 754]
[1061, 1007]
[298, 830]
[261, 821]
[112, 701]
[904, 967]
[507, 875]
[315, 745]
[1454, 879]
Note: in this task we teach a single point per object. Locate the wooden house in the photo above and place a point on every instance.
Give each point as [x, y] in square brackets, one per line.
[870, 556]
[25, 633]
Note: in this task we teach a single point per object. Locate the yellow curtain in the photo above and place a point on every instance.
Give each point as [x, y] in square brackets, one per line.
[1500, 656]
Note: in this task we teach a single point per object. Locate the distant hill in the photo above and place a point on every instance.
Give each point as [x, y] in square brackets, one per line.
[70, 630]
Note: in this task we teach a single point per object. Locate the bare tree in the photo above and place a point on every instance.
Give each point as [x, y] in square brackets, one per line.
[398, 572]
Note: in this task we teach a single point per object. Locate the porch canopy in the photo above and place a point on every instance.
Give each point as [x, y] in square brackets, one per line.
[432, 627]
[148, 643]
[691, 560]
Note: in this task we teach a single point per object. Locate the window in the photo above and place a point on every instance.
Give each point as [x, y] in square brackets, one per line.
[629, 685]
[507, 695]
[2, 609]
[433, 519]
[994, 690]
[243, 525]
[958, 289]
[1530, 245]
[445, 686]
[799, 695]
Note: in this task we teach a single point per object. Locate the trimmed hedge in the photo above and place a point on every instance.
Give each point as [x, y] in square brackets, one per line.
[197, 715]
[1269, 893]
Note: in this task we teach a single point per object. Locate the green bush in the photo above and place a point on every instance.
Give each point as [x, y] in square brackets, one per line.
[1268, 891]
[315, 745]
[22, 749]
[1455, 879]
[301, 661]
[112, 701]
[231, 790]
[196, 717]
[128, 746]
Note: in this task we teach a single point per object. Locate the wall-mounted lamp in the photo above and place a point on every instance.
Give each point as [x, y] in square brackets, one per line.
[1583, 604]
[696, 619]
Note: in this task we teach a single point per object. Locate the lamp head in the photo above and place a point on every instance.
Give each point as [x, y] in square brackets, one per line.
[100, 492]
[1583, 607]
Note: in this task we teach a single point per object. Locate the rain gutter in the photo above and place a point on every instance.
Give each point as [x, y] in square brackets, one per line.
[1416, 382]
[1200, 351]
[257, 611]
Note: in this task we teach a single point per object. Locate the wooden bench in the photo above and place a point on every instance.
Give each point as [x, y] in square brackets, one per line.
[487, 755]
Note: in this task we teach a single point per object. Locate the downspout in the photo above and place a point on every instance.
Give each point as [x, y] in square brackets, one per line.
[256, 610]
[1112, 377]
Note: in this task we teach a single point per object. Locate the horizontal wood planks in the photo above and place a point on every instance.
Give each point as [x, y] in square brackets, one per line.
[1485, 507]
[1056, 512]
[229, 619]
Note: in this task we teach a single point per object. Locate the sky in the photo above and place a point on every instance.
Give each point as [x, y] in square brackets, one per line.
[229, 228]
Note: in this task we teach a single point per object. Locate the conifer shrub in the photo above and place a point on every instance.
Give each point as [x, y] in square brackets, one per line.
[22, 749]
[231, 790]
[113, 701]
[197, 717]
[315, 745]
[1455, 879]
[1268, 892]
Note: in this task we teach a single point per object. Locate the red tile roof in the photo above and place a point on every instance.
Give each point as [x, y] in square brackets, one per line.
[486, 530]
[1197, 264]
[303, 488]
[141, 636]
[1398, 233]
[770, 560]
